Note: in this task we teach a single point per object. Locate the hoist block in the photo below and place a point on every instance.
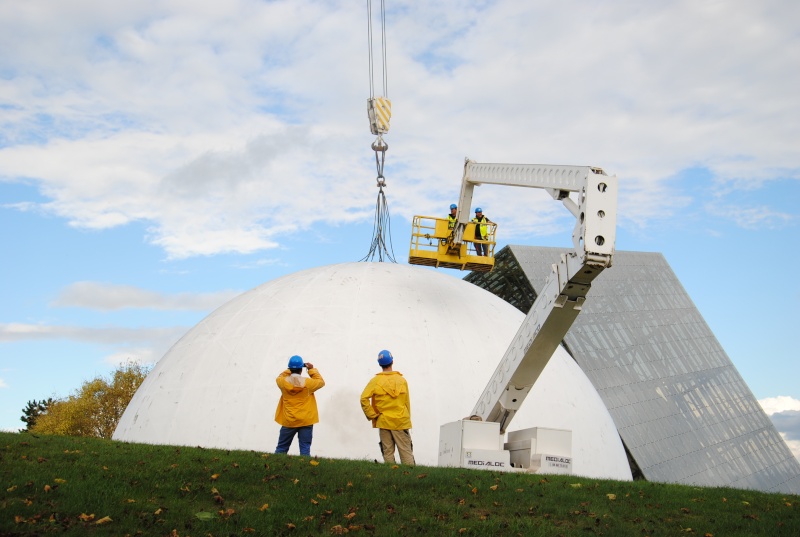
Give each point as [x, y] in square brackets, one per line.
[380, 112]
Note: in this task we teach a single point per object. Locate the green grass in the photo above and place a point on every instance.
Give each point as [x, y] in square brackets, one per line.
[66, 485]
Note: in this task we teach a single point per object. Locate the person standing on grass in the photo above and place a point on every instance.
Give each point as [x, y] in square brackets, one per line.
[297, 407]
[385, 401]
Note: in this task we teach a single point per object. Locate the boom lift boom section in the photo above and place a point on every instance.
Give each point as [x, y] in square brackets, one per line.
[565, 291]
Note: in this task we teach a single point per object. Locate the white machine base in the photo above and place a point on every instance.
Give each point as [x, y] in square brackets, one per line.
[479, 445]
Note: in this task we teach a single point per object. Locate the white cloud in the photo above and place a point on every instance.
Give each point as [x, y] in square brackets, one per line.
[144, 356]
[229, 127]
[109, 297]
[785, 414]
[157, 337]
[781, 403]
[759, 217]
[793, 445]
[3, 384]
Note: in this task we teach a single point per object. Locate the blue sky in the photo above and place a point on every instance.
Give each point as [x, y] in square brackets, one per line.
[157, 159]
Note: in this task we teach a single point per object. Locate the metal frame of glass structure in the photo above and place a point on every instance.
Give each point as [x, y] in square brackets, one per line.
[682, 410]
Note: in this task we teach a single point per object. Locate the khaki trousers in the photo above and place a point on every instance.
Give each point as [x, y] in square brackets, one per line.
[401, 439]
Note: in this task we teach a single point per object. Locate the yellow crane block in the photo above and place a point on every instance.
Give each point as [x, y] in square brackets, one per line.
[380, 112]
[431, 246]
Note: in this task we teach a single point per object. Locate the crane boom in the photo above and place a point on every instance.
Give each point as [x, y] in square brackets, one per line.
[563, 295]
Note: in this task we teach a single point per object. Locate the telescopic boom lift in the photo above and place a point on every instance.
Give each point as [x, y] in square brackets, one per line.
[478, 440]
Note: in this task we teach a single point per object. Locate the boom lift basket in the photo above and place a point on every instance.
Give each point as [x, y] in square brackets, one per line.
[431, 245]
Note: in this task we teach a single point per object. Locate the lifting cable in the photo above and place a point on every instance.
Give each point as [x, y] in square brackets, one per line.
[379, 110]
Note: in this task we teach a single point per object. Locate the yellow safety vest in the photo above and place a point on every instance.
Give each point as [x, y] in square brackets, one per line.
[484, 229]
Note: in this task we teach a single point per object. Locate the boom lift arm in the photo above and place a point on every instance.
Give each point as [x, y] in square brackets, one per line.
[565, 291]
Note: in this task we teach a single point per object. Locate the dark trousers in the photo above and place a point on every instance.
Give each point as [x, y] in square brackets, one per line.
[304, 436]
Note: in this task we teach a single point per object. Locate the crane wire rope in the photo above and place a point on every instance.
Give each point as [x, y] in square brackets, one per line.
[380, 246]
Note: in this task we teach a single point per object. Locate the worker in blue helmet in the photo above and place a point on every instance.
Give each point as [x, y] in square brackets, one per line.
[297, 408]
[451, 218]
[481, 232]
[385, 401]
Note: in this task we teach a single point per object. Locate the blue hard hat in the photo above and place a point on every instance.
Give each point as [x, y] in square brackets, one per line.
[385, 358]
[295, 362]
[478, 210]
[453, 206]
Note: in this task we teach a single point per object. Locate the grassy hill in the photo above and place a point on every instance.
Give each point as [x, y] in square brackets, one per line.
[86, 486]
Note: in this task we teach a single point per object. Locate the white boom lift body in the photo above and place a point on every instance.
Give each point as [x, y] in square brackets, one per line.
[477, 442]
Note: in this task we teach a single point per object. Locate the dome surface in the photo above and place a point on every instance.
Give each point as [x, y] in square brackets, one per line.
[216, 386]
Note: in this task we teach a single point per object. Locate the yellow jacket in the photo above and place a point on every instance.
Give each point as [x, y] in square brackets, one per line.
[385, 401]
[297, 406]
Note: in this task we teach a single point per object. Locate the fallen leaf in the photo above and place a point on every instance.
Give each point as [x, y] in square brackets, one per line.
[249, 530]
[338, 530]
[745, 503]
[204, 515]
[48, 488]
[214, 477]
[395, 467]
[575, 485]
[308, 518]
[158, 511]
[493, 487]
[519, 490]
[313, 463]
[422, 476]
[463, 530]
[264, 507]
[104, 520]
[12, 489]
[129, 500]
[350, 484]
[322, 496]
[214, 490]
[611, 496]
[290, 526]
[475, 490]
[60, 481]
[296, 481]
[348, 516]
[315, 502]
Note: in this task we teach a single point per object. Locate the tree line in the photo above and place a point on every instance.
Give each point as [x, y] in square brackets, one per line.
[93, 410]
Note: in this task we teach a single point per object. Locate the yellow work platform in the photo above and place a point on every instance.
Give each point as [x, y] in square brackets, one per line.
[429, 246]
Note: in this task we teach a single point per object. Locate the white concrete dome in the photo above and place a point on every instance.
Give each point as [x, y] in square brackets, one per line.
[216, 386]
